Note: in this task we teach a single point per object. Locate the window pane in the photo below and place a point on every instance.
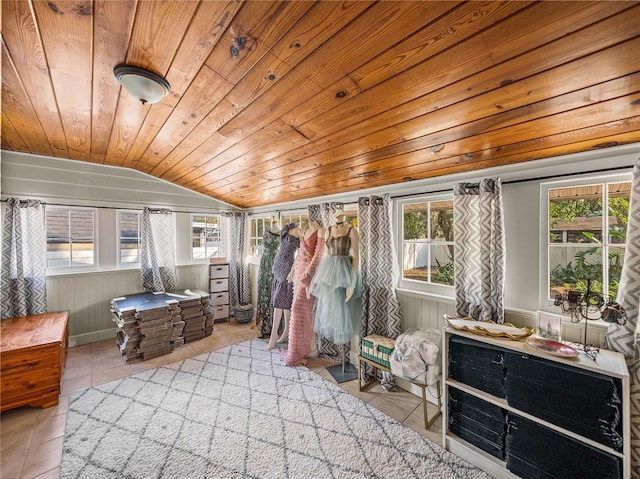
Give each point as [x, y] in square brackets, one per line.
[129, 237]
[129, 253]
[575, 214]
[618, 208]
[442, 264]
[571, 266]
[58, 255]
[57, 225]
[415, 221]
[82, 226]
[213, 239]
[442, 220]
[616, 258]
[82, 253]
[416, 261]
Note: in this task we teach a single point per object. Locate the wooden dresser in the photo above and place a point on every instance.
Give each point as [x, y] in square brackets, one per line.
[32, 356]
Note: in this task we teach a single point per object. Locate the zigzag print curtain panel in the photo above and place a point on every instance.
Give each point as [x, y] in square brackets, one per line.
[625, 338]
[325, 214]
[234, 234]
[479, 250]
[381, 313]
[24, 259]
[157, 257]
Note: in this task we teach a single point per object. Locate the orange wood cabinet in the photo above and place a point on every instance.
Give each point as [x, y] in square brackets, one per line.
[32, 356]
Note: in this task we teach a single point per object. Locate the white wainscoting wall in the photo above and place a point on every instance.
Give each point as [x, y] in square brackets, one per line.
[87, 297]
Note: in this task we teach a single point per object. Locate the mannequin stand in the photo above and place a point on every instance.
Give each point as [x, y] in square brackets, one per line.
[343, 372]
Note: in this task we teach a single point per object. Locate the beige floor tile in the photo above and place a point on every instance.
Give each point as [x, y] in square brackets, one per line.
[44, 458]
[15, 442]
[107, 363]
[49, 429]
[49, 412]
[434, 433]
[107, 375]
[69, 386]
[70, 372]
[11, 464]
[106, 353]
[52, 474]
[18, 419]
[390, 408]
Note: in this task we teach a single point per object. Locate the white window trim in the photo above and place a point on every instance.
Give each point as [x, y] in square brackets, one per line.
[543, 285]
[59, 271]
[412, 285]
[119, 264]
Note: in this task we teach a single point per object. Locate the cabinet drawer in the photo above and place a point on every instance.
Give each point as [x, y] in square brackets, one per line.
[220, 312]
[218, 299]
[219, 271]
[218, 285]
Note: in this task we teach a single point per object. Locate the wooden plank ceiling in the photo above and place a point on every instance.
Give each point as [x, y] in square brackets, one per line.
[278, 101]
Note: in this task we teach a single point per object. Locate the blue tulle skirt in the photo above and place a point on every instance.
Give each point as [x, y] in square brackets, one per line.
[334, 318]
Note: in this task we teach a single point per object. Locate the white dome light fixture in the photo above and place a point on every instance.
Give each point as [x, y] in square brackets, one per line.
[142, 84]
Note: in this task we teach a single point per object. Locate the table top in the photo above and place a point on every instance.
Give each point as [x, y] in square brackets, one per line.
[28, 331]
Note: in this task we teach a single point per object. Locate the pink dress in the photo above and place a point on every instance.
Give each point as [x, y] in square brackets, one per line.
[301, 321]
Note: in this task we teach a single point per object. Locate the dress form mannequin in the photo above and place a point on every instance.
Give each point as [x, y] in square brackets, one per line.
[283, 287]
[337, 283]
[301, 323]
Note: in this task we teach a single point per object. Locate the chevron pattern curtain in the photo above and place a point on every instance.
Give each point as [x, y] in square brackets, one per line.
[381, 313]
[235, 238]
[625, 338]
[479, 244]
[325, 214]
[157, 251]
[24, 259]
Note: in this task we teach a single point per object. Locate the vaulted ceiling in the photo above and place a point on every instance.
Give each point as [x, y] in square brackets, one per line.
[278, 101]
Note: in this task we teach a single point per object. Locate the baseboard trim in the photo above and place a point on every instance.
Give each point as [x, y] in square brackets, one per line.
[92, 337]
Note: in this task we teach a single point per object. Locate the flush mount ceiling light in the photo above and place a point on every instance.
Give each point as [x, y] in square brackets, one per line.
[142, 84]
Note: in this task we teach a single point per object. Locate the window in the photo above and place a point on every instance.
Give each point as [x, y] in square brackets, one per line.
[427, 242]
[301, 219]
[70, 238]
[258, 228]
[129, 230]
[587, 228]
[205, 236]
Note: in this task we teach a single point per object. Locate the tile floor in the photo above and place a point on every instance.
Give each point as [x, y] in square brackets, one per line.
[31, 438]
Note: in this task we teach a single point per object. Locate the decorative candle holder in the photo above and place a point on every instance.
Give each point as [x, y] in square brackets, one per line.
[589, 306]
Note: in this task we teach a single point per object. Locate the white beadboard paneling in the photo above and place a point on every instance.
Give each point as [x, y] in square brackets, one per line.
[57, 180]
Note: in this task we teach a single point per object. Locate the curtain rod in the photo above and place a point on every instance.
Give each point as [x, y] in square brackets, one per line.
[525, 180]
[112, 208]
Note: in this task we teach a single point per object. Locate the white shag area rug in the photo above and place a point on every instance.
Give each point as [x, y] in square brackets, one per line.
[239, 412]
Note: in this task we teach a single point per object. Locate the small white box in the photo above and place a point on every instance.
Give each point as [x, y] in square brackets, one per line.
[218, 285]
[218, 299]
[219, 271]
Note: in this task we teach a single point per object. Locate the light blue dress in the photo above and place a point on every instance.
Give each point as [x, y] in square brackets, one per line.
[334, 318]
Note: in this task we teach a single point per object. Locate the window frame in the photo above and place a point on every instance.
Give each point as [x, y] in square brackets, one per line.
[545, 227]
[192, 217]
[57, 270]
[119, 263]
[412, 285]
